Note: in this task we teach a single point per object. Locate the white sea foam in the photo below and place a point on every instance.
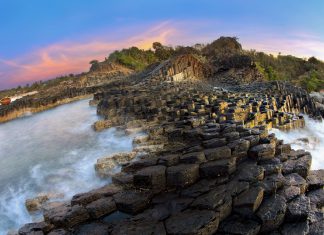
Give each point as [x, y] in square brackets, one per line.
[51, 152]
[310, 138]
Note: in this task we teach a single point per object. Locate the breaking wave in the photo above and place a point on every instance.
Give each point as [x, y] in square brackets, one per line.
[51, 152]
[310, 138]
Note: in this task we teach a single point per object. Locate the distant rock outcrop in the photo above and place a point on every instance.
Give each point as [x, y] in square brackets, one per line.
[182, 67]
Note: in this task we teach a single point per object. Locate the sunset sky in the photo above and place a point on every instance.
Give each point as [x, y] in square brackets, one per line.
[42, 39]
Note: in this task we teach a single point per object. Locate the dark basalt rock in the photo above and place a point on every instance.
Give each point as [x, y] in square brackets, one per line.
[66, 216]
[315, 179]
[199, 188]
[59, 232]
[209, 158]
[298, 228]
[298, 209]
[239, 225]
[210, 200]
[272, 183]
[139, 227]
[101, 207]
[200, 222]
[152, 177]
[296, 180]
[35, 228]
[272, 213]
[218, 153]
[289, 192]
[169, 160]
[316, 197]
[191, 158]
[182, 175]
[95, 228]
[249, 201]
[218, 168]
[86, 198]
[132, 202]
[214, 143]
[249, 171]
[300, 165]
[262, 152]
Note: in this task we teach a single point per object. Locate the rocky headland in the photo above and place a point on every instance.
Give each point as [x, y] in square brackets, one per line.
[207, 164]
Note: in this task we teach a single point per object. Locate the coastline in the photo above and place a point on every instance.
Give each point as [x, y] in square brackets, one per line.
[206, 164]
[21, 112]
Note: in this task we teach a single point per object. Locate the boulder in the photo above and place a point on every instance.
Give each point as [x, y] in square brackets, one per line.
[102, 124]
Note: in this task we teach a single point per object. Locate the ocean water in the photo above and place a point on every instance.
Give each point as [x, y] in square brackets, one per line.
[310, 138]
[51, 152]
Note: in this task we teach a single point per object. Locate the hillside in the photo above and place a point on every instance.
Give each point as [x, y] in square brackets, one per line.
[222, 63]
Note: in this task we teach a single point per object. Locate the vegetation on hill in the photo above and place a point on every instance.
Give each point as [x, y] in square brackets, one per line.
[133, 58]
[306, 73]
[222, 54]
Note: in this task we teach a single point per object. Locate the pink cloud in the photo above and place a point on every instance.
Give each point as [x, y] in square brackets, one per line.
[73, 57]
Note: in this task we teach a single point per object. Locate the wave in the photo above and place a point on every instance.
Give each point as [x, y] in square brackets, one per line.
[310, 138]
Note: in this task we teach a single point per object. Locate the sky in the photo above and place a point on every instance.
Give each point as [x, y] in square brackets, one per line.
[43, 39]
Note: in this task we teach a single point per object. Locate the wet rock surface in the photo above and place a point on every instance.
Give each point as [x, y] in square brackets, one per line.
[210, 166]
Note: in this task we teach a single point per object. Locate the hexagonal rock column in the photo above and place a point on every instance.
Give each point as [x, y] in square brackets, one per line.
[249, 201]
[262, 152]
[218, 168]
[152, 177]
[66, 216]
[132, 202]
[272, 213]
[201, 222]
[182, 175]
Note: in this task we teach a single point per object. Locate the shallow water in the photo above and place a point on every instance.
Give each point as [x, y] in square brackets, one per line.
[52, 151]
[310, 138]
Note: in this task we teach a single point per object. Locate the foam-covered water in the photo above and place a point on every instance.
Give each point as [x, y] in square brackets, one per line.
[310, 138]
[52, 151]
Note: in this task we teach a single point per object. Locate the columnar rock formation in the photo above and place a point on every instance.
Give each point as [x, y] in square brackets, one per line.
[207, 166]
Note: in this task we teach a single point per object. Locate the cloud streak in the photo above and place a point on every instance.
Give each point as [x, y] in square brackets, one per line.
[73, 57]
